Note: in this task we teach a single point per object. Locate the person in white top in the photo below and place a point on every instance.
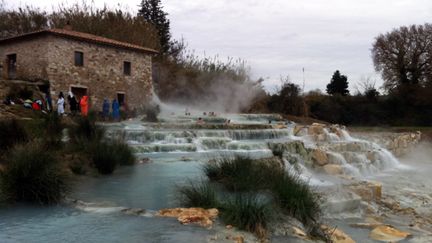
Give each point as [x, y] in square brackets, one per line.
[60, 104]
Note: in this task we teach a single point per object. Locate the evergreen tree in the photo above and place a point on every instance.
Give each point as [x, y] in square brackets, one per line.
[152, 12]
[338, 84]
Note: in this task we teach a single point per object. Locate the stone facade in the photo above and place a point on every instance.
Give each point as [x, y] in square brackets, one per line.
[51, 58]
[32, 59]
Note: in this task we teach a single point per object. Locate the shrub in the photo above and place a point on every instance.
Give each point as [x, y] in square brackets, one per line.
[53, 130]
[84, 132]
[296, 198]
[78, 167]
[247, 212]
[32, 175]
[240, 173]
[123, 153]
[104, 158]
[11, 133]
[107, 155]
[198, 195]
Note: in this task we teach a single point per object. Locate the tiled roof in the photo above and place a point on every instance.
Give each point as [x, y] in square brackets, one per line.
[83, 37]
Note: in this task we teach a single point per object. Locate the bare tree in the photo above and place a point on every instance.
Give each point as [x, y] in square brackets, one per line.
[404, 55]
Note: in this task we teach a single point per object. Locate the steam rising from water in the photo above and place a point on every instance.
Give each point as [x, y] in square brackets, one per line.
[222, 96]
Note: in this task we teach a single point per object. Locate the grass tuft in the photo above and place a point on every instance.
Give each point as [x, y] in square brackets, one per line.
[296, 198]
[53, 130]
[240, 173]
[104, 158]
[124, 153]
[86, 131]
[32, 174]
[247, 212]
[198, 195]
[11, 133]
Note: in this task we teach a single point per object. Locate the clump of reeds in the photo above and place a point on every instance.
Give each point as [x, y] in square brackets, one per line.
[32, 174]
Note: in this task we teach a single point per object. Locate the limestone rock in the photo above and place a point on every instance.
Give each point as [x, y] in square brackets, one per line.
[332, 169]
[239, 239]
[368, 190]
[388, 234]
[337, 235]
[297, 130]
[316, 129]
[280, 126]
[200, 216]
[297, 232]
[320, 157]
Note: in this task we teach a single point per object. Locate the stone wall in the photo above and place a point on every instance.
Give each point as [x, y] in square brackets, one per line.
[31, 58]
[102, 73]
[51, 58]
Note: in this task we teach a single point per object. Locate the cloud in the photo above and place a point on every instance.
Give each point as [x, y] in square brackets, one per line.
[281, 37]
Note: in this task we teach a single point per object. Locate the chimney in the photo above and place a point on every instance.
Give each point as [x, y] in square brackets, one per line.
[68, 26]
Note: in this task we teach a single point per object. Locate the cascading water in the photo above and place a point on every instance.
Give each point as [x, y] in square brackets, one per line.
[356, 157]
[174, 150]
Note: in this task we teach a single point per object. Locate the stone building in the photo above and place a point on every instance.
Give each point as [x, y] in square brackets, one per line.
[66, 60]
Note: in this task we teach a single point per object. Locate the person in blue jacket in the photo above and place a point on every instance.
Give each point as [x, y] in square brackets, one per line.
[105, 109]
[116, 110]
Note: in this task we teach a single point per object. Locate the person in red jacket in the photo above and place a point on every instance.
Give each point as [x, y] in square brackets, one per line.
[84, 105]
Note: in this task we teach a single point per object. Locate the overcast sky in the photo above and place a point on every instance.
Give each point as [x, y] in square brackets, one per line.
[280, 37]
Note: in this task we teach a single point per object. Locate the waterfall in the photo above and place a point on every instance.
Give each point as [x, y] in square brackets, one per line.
[355, 157]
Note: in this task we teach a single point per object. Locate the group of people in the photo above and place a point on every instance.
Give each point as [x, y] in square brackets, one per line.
[75, 107]
[37, 104]
[82, 106]
[115, 109]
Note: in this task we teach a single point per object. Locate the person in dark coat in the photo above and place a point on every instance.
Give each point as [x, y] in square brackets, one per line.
[105, 109]
[73, 104]
[116, 110]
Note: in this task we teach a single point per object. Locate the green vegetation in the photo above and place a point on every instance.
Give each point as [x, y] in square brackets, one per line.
[53, 130]
[338, 85]
[35, 161]
[240, 173]
[247, 181]
[32, 174]
[198, 195]
[105, 155]
[296, 198]
[104, 158]
[248, 212]
[11, 132]
[85, 131]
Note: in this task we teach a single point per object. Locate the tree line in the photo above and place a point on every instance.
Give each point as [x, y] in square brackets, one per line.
[403, 56]
[179, 75]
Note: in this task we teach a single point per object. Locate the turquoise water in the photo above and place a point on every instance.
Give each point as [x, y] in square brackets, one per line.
[149, 186]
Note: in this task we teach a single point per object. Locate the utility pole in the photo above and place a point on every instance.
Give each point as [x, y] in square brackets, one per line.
[303, 80]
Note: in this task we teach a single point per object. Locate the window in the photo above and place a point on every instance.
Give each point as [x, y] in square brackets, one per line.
[126, 68]
[79, 59]
[11, 65]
